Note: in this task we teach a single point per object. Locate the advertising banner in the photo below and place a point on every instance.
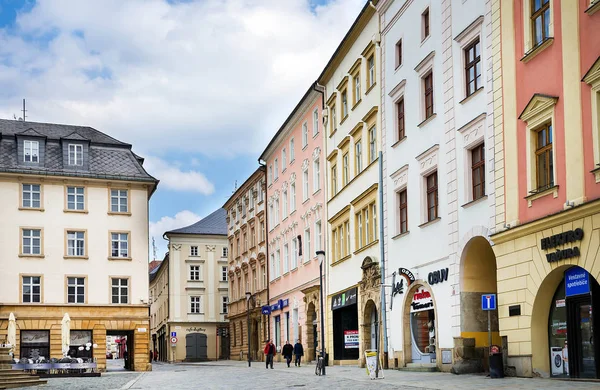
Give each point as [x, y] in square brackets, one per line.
[350, 339]
[371, 363]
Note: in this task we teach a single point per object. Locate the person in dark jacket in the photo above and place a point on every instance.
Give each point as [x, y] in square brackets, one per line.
[287, 352]
[298, 353]
[270, 352]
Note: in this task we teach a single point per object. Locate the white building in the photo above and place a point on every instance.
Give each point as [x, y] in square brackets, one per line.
[438, 147]
[352, 144]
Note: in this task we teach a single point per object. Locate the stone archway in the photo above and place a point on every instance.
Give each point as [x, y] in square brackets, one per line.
[370, 325]
[406, 313]
[311, 316]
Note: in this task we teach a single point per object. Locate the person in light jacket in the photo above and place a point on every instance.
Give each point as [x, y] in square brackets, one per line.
[298, 353]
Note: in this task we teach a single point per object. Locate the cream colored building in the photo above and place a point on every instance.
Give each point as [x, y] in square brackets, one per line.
[74, 239]
[189, 293]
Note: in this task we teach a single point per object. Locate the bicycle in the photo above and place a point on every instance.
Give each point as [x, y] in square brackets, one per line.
[320, 363]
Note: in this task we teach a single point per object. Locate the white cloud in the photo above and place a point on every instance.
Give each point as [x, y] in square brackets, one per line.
[173, 178]
[215, 76]
[167, 223]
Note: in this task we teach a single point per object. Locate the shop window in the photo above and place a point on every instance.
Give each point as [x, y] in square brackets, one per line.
[35, 344]
[81, 344]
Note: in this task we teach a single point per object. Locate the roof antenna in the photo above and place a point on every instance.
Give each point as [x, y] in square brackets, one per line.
[24, 111]
[234, 188]
[154, 248]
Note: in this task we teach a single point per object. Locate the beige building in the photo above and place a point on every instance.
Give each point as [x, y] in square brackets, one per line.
[74, 240]
[189, 293]
[246, 232]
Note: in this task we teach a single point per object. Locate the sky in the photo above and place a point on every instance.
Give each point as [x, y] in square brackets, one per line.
[197, 87]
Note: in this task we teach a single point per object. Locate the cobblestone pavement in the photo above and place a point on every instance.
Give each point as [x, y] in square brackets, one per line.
[236, 375]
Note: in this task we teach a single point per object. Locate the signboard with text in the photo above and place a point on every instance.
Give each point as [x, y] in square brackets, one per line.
[350, 339]
[577, 282]
[344, 299]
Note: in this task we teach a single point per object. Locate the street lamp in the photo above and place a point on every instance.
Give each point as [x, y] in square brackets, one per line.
[248, 296]
[321, 256]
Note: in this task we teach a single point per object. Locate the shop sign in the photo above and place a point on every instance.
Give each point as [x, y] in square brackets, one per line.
[421, 301]
[280, 304]
[35, 336]
[438, 276]
[549, 243]
[577, 281]
[560, 303]
[346, 298]
[398, 287]
[195, 329]
[266, 310]
[350, 339]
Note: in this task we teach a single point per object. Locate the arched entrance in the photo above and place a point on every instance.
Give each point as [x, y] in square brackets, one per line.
[370, 326]
[311, 327]
[420, 325]
[563, 328]
[477, 277]
[254, 342]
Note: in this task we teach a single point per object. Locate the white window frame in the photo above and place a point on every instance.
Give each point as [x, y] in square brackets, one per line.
[73, 281]
[284, 210]
[195, 273]
[371, 70]
[292, 155]
[372, 143]
[318, 235]
[120, 286]
[307, 256]
[304, 135]
[30, 241]
[278, 262]
[305, 185]
[122, 249]
[75, 155]
[292, 197]
[276, 167]
[283, 160]
[270, 174]
[358, 154]
[286, 258]
[122, 201]
[194, 250]
[76, 243]
[294, 253]
[272, 265]
[31, 284]
[224, 274]
[196, 304]
[315, 122]
[277, 211]
[31, 150]
[28, 194]
[316, 175]
[78, 196]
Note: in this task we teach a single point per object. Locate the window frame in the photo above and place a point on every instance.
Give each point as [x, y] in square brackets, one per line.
[425, 24]
[306, 242]
[31, 294]
[196, 306]
[548, 150]
[31, 192]
[74, 254]
[194, 274]
[432, 189]
[358, 156]
[399, 53]
[119, 241]
[31, 149]
[77, 155]
[224, 273]
[119, 196]
[402, 206]
[304, 135]
[334, 186]
[400, 120]
[292, 153]
[345, 169]
[224, 304]
[473, 65]
[316, 175]
[31, 237]
[76, 199]
[540, 13]
[120, 288]
[373, 150]
[315, 122]
[428, 95]
[479, 167]
[76, 285]
[194, 250]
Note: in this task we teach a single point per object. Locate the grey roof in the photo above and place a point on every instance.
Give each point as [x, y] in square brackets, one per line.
[107, 158]
[214, 225]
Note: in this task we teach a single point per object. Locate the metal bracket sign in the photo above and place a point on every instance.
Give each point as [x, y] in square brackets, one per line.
[265, 310]
[488, 302]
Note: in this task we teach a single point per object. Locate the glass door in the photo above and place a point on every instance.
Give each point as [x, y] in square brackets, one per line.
[585, 330]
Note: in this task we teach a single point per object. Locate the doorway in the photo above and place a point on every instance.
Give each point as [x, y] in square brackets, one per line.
[196, 347]
[122, 360]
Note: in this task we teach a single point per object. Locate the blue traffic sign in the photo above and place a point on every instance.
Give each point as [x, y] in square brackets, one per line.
[488, 302]
[266, 310]
[173, 334]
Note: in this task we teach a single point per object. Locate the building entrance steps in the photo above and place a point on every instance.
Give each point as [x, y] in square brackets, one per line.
[419, 367]
[10, 378]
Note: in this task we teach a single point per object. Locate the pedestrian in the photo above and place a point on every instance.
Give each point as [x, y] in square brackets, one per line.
[125, 356]
[151, 356]
[287, 352]
[155, 355]
[269, 353]
[298, 353]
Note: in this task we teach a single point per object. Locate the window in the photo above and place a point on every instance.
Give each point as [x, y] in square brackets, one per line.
[478, 171]
[315, 122]
[316, 175]
[272, 262]
[334, 189]
[224, 251]
[195, 305]
[283, 160]
[432, 197]
[263, 272]
[344, 104]
[75, 290]
[473, 67]
[294, 253]
[252, 237]
[194, 272]
[276, 211]
[194, 250]
[224, 273]
[425, 22]
[224, 303]
[76, 243]
[372, 144]
[540, 20]
[400, 113]
[399, 53]
[270, 174]
[255, 280]
[356, 80]
[333, 120]
[304, 135]
[334, 250]
[32, 241]
[346, 168]
[347, 230]
[428, 94]
[358, 154]
[305, 185]
[307, 253]
[32, 195]
[371, 67]
[366, 222]
[276, 166]
[76, 198]
[318, 236]
[403, 212]
[120, 290]
[278, 262]
[544, 159]
[262, 231]
[32, 289]
[119, 201]
[31, 150]
[119, 245]
[286, 258]
[75, 154]
[292, 156]
[374, 224]
[284, 210]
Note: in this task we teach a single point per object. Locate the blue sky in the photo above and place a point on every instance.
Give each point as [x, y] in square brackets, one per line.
[197, 87]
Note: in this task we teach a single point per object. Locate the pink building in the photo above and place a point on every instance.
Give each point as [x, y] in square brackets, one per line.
[295, 220]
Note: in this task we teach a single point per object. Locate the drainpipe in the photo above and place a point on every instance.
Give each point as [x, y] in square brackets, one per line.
[382, 265]
[263, 166]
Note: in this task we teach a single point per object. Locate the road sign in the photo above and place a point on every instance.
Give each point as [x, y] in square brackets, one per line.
[488, 302]
[173, 334]
[173, 340]
[266, 310]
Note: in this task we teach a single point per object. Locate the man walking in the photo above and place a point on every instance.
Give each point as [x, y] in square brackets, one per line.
[298, 353]
[269, 353]
[287, 352]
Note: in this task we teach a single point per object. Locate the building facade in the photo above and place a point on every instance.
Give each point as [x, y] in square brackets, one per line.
[248, 272]
[352, 143]
[196, 298]
[547, 132]
[296, 219]
[74, 241]
[437, 136]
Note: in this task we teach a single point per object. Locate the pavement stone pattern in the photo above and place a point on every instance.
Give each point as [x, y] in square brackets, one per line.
[237, 375]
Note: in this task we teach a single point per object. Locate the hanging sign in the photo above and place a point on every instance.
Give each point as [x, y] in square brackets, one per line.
[577, 281]
[398, 287]
[350, 339]
[344, 299]
[265, 310]
[421, 301]
[549, 243]
[280, 304]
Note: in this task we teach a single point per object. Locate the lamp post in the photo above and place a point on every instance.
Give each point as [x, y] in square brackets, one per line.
[321, 256]
[248, 296]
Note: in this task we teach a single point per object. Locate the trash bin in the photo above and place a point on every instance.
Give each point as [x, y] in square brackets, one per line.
[496, 362]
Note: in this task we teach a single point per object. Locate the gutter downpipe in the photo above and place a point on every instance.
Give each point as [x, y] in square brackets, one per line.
[382, 266]
[264, 169]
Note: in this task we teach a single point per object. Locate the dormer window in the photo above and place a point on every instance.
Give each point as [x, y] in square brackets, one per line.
[75, 154]
[31, 151]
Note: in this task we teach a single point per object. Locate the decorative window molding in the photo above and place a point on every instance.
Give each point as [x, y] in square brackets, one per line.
[473, 133]
[467, 37]
[531, 49]
[428, 160]
[592, 78]
[400, 178]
